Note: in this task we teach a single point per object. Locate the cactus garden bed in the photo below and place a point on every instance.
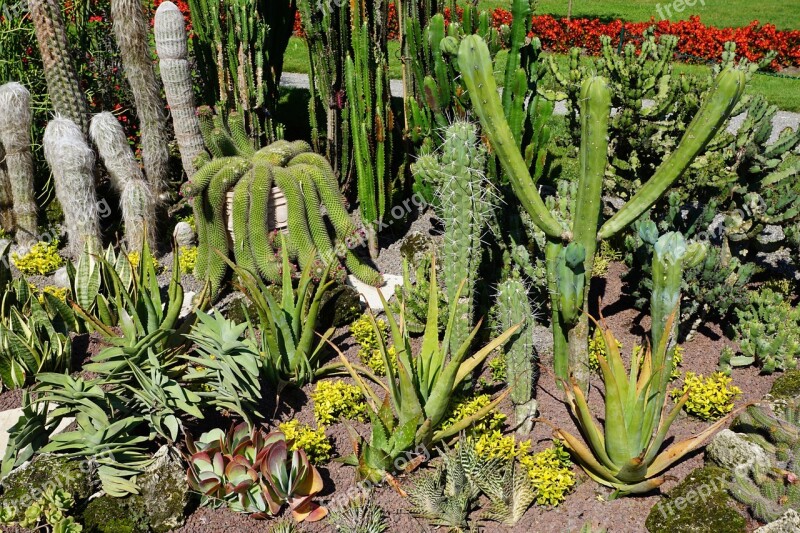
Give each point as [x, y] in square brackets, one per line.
[528, 292]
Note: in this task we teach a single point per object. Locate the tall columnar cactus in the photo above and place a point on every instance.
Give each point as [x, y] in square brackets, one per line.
[371, 118]
[464, 208]
[239, 48]
[513, 307]
[71, 162]
[571, 328]
[62, 80]
[136, 200]
[173, 62]
[307, 182]
[15, 137]
[131, 29]
[6, 197]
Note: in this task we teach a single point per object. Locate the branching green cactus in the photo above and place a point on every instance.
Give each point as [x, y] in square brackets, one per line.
[132, 31]
[173, 62]
[136, 199]
[307, 182]
[570, 334]
[62, 80]
[72, 164]
[15, 138]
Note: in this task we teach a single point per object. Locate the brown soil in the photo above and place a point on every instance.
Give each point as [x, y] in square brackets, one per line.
[588, 502]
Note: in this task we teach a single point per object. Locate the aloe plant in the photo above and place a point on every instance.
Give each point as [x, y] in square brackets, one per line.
[419, 388]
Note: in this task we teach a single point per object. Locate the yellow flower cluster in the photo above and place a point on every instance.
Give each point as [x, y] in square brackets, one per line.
[313, 441]
[467, 406]
[42, 259]
[58, 292]
[336, 399]
[498, 367]
[369, 353]
[709, 398]
[187, 257]
[550, 473]
[493, 445]
[135, 257]
[597, 346]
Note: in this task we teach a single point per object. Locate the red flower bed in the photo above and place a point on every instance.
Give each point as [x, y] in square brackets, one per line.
[696, 41]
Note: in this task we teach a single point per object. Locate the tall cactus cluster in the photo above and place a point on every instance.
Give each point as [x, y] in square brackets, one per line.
[464, 208]
[769, 493]
[239, 48]
[349, 85]
[136, 198]
[16, 174]
[571, 248]
[173, 62]
[71, 161]
[522, 361]
[132, 32]
[65, 91]
[307, 182]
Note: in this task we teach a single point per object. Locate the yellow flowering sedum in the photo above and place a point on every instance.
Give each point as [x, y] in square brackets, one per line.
[187, 257]
[314, 441]
[336, 399]
[42, 259]
[551, 474]
[465, 407]
[58, 292]
[364, 334]
[710, 397]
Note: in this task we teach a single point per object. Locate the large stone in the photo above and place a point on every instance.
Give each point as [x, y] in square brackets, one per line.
[107, 514]
[26, 484]
[61, 278]
[371, 295]
[788, 523]
[164, 490]
[734, 453]
[699, 504]
[787, 385]
[184, 234]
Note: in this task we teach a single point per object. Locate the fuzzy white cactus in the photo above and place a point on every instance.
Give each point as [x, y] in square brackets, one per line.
[71, 161]
[136, 199]
[15, 136]
[173, 56]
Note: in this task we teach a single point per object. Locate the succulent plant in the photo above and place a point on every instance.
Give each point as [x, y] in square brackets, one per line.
[253, 472]
[359, 515]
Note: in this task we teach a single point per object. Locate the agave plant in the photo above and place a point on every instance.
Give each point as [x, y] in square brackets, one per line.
[626, 452]
[253, 472]
[419, 389]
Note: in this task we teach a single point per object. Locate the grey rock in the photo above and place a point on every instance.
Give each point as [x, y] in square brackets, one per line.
[164, 490]
[788, 523]
[61, 278]
[771, 234]
[184, 234]
[732, 452]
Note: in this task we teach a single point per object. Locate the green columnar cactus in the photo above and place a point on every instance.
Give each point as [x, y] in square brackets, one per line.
[371, 118]
[242, 250]
[72, 164]
[15, 138]
[173, 61]
[258, 223]
[62, 80]
[464, 208]
[513, 307]
[132, 32]
[571, 332]
[136, 200]
[6, 198]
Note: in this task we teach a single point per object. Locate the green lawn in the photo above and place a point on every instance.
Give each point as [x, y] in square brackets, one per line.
[783, 92]
[785, 14]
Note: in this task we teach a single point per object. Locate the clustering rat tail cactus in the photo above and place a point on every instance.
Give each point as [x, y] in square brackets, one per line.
[464, 208]
[136, 199]
[131, 29]
[71, 161]
[15, 138]
[258, 223]
[522, 361]
[63, 85]
[173, 61]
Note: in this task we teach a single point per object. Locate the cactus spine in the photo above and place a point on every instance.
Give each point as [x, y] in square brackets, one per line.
[15, 138]
[571, 334]
[136, 200]
[464, 208]
[173, 56]
[63, 85]
[132, 34]
[513, 307]
[71, 161]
